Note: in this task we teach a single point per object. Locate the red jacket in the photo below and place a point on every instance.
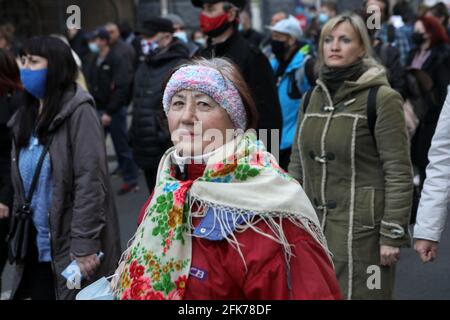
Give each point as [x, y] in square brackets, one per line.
[218, 271]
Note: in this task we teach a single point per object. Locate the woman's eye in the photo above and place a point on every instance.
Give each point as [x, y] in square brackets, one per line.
[203, 105]
[178, 104]
[346, 40]
[328, 40]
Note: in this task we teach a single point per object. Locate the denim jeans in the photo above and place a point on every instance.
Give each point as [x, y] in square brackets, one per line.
[119, 136]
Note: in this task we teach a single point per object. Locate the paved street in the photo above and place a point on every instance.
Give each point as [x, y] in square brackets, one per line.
[414, 279]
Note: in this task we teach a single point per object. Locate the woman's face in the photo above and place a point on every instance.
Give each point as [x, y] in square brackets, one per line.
[197, 123]
[419, 27]
[342, 46]
[32, 62]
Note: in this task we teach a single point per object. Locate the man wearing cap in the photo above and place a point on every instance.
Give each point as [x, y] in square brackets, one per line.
[293, 66]
[219, 20]
[108, 81]
[149, 135]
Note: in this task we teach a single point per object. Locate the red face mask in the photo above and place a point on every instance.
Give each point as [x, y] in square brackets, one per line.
[208, 24]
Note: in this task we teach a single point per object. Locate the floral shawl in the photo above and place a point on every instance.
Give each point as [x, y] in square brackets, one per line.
[242, 179]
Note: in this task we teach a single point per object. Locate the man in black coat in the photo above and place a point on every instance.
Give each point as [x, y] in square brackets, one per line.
[149, 133]
[219, 20]
[109, 81]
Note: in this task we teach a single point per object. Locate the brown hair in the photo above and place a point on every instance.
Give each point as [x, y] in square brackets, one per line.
[9, 73]
[231, 72]
[6, 32]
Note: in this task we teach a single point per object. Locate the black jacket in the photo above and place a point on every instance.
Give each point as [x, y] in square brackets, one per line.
[8, 105]
[437, 66]
[148, 133]
[109, 82]
[389, 57]
[258, 74]
[253, 36]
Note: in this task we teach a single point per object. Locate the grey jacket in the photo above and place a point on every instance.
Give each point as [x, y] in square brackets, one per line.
[83, 218]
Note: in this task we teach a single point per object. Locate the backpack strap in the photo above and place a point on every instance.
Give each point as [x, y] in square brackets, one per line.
[306, 99]
[372, 109]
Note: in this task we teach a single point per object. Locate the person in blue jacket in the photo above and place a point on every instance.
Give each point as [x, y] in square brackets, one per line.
[293, 65]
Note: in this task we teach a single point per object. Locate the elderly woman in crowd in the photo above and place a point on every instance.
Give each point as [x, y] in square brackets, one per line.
[224, 221]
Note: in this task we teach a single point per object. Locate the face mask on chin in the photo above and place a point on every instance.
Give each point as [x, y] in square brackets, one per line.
[214, 27]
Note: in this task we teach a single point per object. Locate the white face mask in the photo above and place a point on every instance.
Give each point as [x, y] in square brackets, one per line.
[148, 47]
[201, 42]
[182, 36]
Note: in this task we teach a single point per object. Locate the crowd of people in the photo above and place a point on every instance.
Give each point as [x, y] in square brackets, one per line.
[279, 165]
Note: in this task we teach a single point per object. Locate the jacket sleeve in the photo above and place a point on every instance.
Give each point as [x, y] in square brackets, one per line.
[295, 165]
[435, 199]
[90, 174]
[120, 86]
[310, 275]
[393, 148]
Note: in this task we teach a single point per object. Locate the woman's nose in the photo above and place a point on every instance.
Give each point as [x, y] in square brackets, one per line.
[189, 113]
[335, 45]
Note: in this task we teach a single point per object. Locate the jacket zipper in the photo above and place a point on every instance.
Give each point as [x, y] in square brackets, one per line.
[52, 263]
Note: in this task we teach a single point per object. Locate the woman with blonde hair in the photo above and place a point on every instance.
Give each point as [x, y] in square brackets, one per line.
[351, 155]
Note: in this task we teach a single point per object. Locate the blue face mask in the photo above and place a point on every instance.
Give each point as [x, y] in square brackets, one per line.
[94, 47]
[34, 81]
[182, 36]
[323, 18]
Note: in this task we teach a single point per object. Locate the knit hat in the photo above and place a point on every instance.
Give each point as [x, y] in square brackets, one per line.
[212, 83]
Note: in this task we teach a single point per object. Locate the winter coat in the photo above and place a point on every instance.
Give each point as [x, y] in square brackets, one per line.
[360, 185]
[109, 83]
[148, 133]
[290, 90]
[257, 73]
[218, 271]
[82, 217]
[435, 198]
[437, 66]
[8, 105]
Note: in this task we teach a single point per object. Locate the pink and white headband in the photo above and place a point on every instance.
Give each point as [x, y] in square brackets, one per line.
[211, 82]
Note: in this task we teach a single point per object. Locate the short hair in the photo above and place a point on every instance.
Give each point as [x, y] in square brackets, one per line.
[231, 72]
[360, 28]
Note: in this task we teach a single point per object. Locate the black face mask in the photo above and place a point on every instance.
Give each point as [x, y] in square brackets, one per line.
[418, 38]
[279, 49]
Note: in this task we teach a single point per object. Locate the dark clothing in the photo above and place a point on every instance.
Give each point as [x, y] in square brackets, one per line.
[149, 134]
[437, 66]
[82, 216]
[109, 82]
[253, 36]
[8, 105]
[38, 281]
[257, 73]
[119, 136]
[150, 177]
[80, 45]
[389, 57]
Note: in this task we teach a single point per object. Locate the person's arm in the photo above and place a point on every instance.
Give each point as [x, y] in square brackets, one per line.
[90, 173]
[393, 148]
[435, 198]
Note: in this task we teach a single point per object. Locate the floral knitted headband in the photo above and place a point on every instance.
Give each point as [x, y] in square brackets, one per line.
[211, 82]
